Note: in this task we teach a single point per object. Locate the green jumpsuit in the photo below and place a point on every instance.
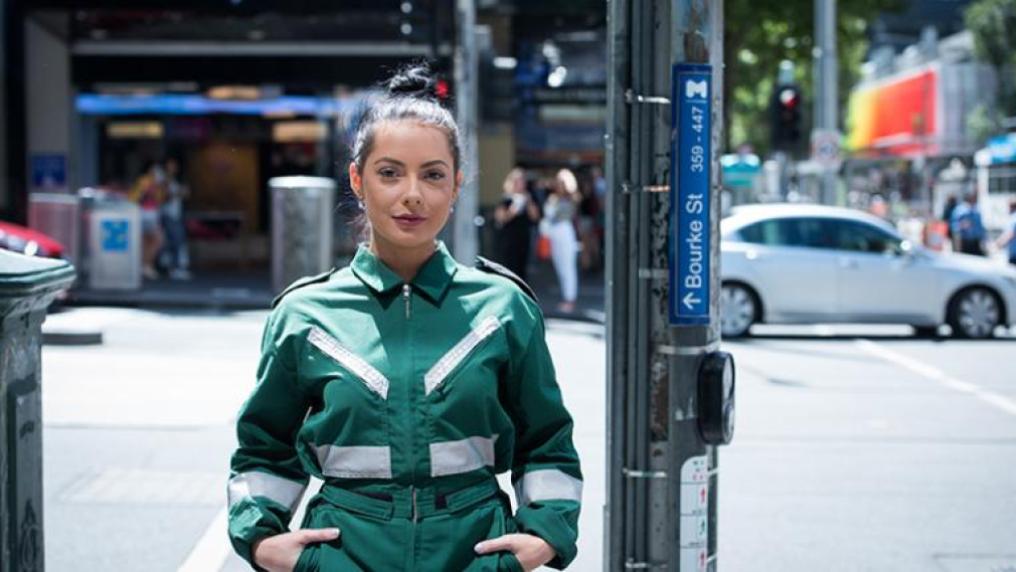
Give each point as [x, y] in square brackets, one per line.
[406, 399]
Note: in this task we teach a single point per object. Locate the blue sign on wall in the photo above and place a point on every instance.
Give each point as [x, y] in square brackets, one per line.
[690, 153]
[114, 235]
[49, 170]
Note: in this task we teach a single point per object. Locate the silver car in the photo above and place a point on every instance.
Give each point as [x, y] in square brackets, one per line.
[804, 264]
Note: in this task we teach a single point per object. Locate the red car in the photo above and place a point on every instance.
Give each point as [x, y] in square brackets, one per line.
[27, 241]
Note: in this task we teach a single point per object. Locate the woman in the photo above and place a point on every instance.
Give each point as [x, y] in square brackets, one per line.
[149, 192]
[558, 223]
[406, 382]
[515, 217]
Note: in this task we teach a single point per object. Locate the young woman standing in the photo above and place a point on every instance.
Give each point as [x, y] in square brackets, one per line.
[406, 382]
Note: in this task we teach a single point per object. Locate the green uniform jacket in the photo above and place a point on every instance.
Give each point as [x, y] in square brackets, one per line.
[366, 379]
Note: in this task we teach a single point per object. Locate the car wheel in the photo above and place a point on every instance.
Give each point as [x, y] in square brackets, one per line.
[738, 310]
[975, 313]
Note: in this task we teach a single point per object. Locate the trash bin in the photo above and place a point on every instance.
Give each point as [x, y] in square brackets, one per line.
[58, 215]
[27, 287]
[113, 243]
[301, 227]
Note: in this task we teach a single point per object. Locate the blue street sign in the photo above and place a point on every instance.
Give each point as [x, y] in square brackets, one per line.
[114, 235]
[690, 153]
[49, 170]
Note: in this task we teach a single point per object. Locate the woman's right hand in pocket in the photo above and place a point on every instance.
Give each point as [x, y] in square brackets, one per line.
[279, 553]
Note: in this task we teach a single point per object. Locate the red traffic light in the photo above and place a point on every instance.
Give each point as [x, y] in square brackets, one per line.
[789, 98]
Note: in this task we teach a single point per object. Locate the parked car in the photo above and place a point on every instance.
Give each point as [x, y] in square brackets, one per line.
[24, 240]
[803, 264]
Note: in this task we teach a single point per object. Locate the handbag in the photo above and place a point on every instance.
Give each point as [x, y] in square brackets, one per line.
[543, 247]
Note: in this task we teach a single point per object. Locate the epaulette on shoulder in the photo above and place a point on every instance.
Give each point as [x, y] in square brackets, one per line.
[491, 267]
[300, 283]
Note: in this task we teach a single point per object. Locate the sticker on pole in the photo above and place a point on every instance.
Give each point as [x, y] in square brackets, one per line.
[690, 166]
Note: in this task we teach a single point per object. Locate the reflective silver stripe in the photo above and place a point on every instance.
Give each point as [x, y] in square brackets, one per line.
[255, 484]
[454, 357]
[454, 457]
[355, 462]
[373, 378]
[547, 484]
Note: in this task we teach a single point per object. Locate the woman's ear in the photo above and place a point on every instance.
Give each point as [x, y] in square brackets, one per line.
[460, 178]
[355, 181]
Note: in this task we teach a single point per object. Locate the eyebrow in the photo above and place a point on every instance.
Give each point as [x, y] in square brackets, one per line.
[401, 164]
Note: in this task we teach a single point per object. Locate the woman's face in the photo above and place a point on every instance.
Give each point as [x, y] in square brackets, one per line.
[408, 184]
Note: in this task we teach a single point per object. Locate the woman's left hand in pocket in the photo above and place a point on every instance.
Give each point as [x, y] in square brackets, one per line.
[531, 551]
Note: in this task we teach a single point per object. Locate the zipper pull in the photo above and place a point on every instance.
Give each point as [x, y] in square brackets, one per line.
[407, 291]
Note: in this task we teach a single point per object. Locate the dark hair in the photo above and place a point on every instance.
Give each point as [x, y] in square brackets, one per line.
[410, 94]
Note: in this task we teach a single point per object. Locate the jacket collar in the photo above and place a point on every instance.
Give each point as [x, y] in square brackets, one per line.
[432, 279]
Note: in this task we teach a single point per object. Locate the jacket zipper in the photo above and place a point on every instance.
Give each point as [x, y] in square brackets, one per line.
[407, 292]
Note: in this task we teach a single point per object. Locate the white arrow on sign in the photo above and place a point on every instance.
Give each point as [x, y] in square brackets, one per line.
[690, 300]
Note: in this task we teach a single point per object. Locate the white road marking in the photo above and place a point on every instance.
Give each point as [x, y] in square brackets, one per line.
[996, 400]
[211, 551]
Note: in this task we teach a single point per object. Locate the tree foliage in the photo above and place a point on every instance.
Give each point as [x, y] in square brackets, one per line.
[993, 24]
[760, 33]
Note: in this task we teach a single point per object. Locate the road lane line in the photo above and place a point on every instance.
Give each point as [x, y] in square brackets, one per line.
[996, 400]
[211, 552]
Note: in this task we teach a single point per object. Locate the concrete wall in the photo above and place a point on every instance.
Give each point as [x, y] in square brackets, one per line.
[49, 98]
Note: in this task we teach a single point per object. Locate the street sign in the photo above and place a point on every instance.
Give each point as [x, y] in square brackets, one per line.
[690, 153]
[825, 148]
[49, 171]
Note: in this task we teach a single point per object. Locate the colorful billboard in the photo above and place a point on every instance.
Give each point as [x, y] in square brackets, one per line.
[900, 115]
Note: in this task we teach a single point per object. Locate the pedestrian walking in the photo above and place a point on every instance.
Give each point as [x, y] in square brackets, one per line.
[406, 381]
[175, 255]
[967, 227]
[149, 192]
[588, 230]
[514, 218]
[1008, 238]
[947, 212]
[559, 224]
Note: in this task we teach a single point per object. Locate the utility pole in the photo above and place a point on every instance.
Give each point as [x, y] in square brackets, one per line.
[826, 130]
[467, 68]
[670, 391]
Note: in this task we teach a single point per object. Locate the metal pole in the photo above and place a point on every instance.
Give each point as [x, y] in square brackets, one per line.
[652, 394]
[826, 91]
[616, 168]
[467, 66]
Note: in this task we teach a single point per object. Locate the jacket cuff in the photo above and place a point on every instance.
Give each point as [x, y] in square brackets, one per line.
[554, 529]
[246, 527]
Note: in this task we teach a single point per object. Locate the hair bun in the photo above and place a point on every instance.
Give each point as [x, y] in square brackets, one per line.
[413, 81]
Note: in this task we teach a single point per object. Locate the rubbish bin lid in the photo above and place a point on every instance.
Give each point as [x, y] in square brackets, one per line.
[21, 275]
[301, 182]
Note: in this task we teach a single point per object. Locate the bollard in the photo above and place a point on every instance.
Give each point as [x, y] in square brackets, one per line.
[301, 228]
[27, 287]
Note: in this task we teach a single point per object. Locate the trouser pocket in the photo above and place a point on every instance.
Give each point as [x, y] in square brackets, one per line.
[308, 560]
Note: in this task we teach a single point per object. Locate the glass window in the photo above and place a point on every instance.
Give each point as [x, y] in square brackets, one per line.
[800, 232]
[860, 237]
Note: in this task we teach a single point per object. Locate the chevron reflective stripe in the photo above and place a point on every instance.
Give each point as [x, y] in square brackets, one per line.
[255, 484]
[372, 378]
[454, 357]
[454, 457]
[355, 462]
[547, 484]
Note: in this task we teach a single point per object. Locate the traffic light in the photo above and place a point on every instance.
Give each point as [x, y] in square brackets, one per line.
[786, 111]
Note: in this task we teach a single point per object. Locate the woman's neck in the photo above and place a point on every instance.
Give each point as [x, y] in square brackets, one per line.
[404, 261]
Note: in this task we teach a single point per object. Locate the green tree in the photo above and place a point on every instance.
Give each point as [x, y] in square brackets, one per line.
[993, 24]
[760, 33]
